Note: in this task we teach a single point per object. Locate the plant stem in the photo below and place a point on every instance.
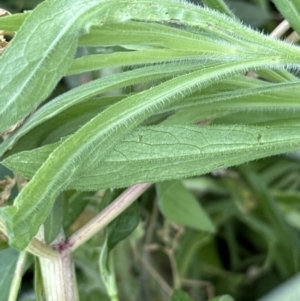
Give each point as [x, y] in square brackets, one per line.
[16, 282]
[59, 278]
[36, 247]
[107, 215]
[280, 30]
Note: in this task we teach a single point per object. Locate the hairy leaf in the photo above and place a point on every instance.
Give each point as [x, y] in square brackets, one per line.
[150, 154]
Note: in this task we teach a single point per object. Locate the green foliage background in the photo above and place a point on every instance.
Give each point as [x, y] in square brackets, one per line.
[247, 240]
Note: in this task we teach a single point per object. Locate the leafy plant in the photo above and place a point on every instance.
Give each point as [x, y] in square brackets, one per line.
[178, 103]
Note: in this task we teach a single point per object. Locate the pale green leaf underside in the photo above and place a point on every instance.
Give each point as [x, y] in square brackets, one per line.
[177, 204]
[151, 154]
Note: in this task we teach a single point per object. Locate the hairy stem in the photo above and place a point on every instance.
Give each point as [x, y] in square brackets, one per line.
[107, 215]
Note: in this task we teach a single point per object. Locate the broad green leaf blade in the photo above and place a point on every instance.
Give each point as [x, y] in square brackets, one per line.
[180, 295]
[159, 153]
[122, 226]
[290, 11]
[178, 205]
[8, 262]
[30, 68]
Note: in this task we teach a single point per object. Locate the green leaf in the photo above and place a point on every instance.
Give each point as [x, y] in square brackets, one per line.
[91, 89]
[54, 221]
[158, 153]
[98, 61]
[13, 22]
[250, 13]
[290, 11]
[106, 130]
[28, 79]
[222, 298]
[122, 226]
[38, 281]
[219, 5]
[179, 295]
[107, 272]
[76, 202]
[65, 123]
[288, 242]
[64, 164]
[8, 262]
[178, 205]
[46, 62]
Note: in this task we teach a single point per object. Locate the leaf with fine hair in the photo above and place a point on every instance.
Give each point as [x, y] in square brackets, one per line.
[86, 91]
[30, 68]
[151, 154]
[35, 201]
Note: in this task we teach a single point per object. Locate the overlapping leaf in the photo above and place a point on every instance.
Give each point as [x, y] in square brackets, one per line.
[94, 141]
[167, 152]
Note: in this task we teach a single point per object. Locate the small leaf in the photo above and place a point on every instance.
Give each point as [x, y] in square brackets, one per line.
[179, 205]
[122, 226]
[222, 298]
[179, 295]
